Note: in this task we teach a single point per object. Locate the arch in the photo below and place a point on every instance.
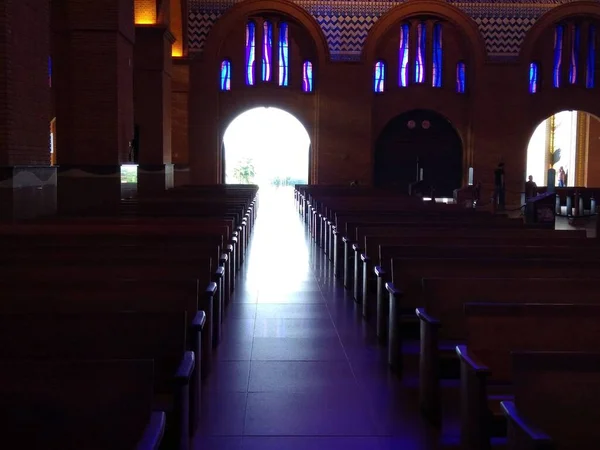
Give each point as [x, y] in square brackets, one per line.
[232, 17]
[580, 7]
[541, 114]
[437, 8]
[268, 148]
[411, 141]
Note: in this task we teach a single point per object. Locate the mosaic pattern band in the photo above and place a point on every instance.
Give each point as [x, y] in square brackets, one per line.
[346, 24]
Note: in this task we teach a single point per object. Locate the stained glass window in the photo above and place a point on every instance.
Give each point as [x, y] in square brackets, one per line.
[307, 76]
[379, 76]
[420, 56]
[49, 71]
[267, 50]
[559, 32]
[284, 54]
[403, 56]
[533, 78]
[437, 55]
[574, 60]
[225, 75]
[461, 77]
[591, 58]
[250, 52]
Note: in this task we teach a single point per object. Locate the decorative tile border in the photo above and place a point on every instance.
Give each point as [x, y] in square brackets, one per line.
[346, 24]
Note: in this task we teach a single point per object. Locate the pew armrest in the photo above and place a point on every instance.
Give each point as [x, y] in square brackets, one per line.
[469, 359]
[347, 240]
[224, 258]
[211, 289]
[364, 257]
[186, 368]
[537, 439]
[423, 316]
[199, 321]
[379, 271]
[229, 248]
[154, 432]
[219, 272]
[234, 239]
[392, 289]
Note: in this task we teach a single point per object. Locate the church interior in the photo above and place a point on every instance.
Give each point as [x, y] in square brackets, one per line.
[299, 224]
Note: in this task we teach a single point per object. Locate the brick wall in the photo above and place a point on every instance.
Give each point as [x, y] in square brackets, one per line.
[24, 90]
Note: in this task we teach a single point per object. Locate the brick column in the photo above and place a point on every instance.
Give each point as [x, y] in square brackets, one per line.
[93, 59]
[152, 105]
[27, 181]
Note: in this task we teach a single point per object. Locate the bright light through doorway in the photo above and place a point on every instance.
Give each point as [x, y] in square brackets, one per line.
[268, 147]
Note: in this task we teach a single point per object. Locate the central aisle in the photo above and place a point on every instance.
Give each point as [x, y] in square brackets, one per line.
[297, 368]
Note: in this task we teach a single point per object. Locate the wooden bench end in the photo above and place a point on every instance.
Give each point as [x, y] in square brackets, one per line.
[538, 439]
[471, 361]
[154, 432]
[186, 368]
[422, 315]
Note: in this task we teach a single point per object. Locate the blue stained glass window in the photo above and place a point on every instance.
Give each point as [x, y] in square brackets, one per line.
[50, 71]
[225, 75]
[533, 77]
[284, 54]
[437, 55]
[591, 58]
[307, 76]
[403, 56]
[267, 50]
[574, 60]
[379, 76]
[250, 52]
[559, 32]
[461, 77]
[420, 56]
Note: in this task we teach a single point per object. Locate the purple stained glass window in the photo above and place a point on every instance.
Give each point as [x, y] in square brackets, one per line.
[284, 54]
[533, 78]
[437, 56]
[461, 77]
[574, 60]
[225, 75]
[379, 77]
[403, 53]
[267, 50]
[590, 81]
[420, 56]
[307, 76]
[559, 32]
[250, 52]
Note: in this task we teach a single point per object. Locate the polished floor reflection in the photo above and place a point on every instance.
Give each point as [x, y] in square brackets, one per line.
[298, 369]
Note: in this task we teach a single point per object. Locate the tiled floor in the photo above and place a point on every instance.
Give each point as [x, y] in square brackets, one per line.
[298, 369]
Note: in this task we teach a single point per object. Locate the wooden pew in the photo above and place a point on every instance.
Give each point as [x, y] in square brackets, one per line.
[501, 250]
[443, 323]
[496, 330]
[405, 289]
[82, 404]
[378, 250]
[556, 396]
[157, 336]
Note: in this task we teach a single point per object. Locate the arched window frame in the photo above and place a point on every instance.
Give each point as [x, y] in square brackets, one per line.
[250, 50]
[379, 74]
[534, 77]
[308, 77]
[461, 77]
[225, 75]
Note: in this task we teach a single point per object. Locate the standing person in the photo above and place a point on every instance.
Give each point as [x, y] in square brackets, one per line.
[499, 186]
[530, 188]
[562, 176]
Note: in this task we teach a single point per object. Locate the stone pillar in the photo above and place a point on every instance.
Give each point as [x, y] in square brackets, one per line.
[93, 62]
[27, 180]
[152, 106]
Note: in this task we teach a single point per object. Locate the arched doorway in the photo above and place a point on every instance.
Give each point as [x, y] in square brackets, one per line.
[419, 144]
[266, 146]
[569, 140]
